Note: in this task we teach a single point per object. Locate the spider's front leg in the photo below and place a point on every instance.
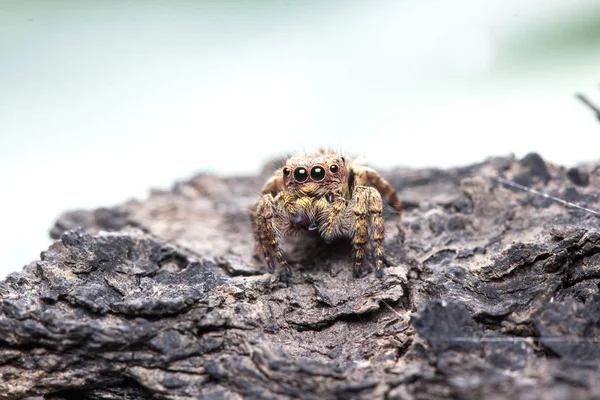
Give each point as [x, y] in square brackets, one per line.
[366, 175]
[368, 208]
[267, 233]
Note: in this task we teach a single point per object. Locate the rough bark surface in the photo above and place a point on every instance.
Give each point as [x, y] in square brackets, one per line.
[489, 292]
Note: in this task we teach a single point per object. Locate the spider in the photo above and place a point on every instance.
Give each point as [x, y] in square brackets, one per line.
[327, 192]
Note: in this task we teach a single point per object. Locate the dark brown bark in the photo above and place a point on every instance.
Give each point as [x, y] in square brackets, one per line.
[489, 292]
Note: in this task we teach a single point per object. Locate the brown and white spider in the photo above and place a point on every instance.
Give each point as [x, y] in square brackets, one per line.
[322, 190]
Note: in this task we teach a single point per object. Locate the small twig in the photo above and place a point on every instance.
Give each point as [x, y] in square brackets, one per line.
[591, 105]
[546, 195]
[394, 311]
[552, 339]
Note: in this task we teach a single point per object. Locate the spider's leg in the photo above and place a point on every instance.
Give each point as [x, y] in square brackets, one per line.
[269, 234]
[368, 208]
[262, 242]
[364, 175]
[255, 230]
[361, 226]
[378, 228]
[274, 185]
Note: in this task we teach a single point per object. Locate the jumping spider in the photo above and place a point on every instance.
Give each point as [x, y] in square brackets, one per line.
[326, 192]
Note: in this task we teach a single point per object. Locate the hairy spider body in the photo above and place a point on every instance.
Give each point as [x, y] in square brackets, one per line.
[326, 192]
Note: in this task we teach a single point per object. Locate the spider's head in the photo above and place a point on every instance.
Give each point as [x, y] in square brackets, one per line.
[315, 174]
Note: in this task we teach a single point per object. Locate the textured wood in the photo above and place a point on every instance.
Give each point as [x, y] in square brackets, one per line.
[488, 293]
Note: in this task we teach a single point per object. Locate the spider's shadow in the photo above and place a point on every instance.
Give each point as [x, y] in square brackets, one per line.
[308, 251]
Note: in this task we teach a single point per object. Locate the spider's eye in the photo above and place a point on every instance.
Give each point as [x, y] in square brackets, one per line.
[317, 173]
[343, 160]
[300, 174]
[286, 171]
[334, 168]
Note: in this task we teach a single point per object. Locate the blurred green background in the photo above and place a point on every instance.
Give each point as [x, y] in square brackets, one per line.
[101, 100]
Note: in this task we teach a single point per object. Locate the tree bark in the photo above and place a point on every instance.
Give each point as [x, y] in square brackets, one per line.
[489, 292]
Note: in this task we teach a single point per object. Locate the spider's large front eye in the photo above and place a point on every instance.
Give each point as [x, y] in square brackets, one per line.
[286, 172]
[300, 174]
[317, 173]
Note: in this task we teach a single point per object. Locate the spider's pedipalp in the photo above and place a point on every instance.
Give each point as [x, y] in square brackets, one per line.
[333, 226]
